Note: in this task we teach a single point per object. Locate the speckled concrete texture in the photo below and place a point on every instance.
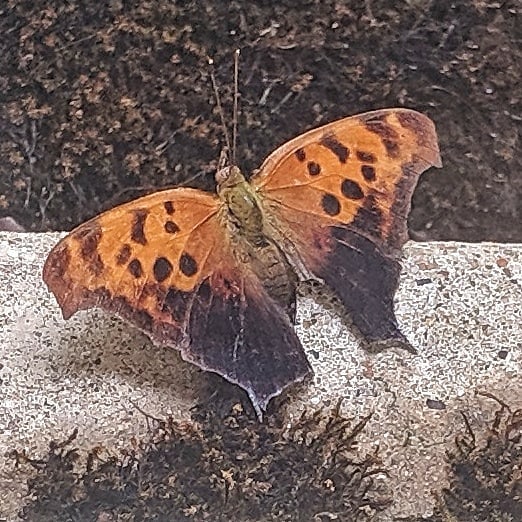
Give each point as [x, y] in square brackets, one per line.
[459, 304]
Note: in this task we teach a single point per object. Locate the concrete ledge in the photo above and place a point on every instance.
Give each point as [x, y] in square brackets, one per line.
[459, 304]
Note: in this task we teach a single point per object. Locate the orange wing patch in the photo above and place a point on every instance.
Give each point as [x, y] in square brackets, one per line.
[360, 166]
[136, 252]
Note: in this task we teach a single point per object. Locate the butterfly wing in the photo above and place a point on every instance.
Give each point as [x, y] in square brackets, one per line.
[165, 263]
[338, 197]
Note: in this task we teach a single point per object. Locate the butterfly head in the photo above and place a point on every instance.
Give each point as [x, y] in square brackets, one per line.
[228, 177]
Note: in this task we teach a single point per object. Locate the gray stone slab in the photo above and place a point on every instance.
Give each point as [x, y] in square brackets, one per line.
[459, 304]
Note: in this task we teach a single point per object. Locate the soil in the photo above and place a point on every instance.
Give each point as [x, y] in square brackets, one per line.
[102, 102]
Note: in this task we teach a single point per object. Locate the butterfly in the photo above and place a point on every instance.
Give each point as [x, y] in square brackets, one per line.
[214, 275]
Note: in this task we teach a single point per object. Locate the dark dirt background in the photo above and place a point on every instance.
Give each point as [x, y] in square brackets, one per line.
[102, 102]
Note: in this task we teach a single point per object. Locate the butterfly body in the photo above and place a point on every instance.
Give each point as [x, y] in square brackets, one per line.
[251, 243]
[214, 275]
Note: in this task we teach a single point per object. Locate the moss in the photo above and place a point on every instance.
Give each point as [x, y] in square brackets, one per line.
[485, 479]
[101, 102]
[224, 465]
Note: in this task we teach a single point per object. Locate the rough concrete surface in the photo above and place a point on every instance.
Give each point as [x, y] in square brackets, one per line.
[459, 304]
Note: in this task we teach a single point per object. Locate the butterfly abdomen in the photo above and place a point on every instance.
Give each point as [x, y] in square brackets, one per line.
[279, 279]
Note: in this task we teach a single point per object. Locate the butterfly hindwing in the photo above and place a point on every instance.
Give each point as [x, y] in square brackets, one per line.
[265, 356]
[338, 197]
[165, 263]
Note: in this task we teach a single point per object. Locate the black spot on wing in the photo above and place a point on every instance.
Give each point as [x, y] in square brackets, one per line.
[138, 226]
[171, 227]
[314, 169]
[300, 154]
[366, 157]
[135, 268]
[123, 255]
[162, 269]
[188, 265]
[351, 189]
[368, 172]
[330, 204]
[334, 145]
[169, 207]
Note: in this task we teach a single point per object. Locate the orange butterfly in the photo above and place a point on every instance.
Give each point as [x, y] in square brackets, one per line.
[215, 276]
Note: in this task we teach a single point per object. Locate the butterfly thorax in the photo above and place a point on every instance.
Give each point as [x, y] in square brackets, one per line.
[251, 244]
[243, 209]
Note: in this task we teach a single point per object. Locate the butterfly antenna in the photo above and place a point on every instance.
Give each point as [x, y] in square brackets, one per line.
[219, 107]
[236, 98]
